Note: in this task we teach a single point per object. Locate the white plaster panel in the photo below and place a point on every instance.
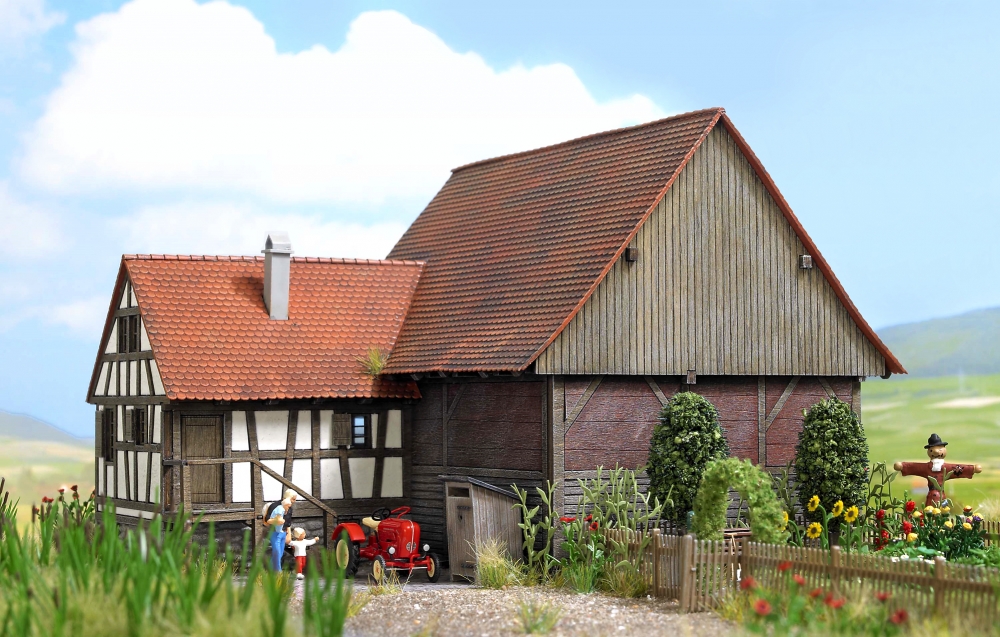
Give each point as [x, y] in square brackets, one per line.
[143, 379]
[272, 430]
[113, 386]
[120, 421]
[325, 428]
[109, 479]
[302, 476]
[133, 378]
[157, 383]
[144, 337]
[133, 475]
[394, 429]
[374, 418]
[123, 301]
[156, 466]
[362, 476]
[392, 478]
[303, 431]
[121, 493]
[101, 471]
[241, 440]
[102, 380]
[157, 424]
[143, 472]
[132, 300]
[331, 485]
[111, 347]
[272, 488]
[242, 487]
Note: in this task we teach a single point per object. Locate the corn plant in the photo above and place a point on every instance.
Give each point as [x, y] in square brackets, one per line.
[540, 561]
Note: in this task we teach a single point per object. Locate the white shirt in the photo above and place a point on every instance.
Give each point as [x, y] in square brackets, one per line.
[936, 464]
[300, 546]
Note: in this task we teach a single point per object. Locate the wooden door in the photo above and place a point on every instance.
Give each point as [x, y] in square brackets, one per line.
[203, 439]
[461, 531]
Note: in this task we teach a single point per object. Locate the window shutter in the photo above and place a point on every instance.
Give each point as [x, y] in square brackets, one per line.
[341, 430]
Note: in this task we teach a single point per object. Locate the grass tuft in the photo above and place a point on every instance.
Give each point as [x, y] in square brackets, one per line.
[373, 361]
[495, 568]
[623, 580]
[537, 618]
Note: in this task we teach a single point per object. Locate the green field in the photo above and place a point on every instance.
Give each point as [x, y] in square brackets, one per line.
[900, 413]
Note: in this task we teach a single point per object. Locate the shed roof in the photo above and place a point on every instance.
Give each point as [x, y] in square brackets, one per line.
[213, 339]
[517, 244]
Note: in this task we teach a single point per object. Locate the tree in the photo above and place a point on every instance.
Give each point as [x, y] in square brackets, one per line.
[684, 441]
[831, 459]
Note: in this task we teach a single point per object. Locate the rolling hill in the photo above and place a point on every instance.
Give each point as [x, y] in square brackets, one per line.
[965, 344]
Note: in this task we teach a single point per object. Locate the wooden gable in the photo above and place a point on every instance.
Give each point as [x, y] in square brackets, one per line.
[716, 288]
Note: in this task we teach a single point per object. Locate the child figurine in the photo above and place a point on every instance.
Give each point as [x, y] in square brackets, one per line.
[300, 543]
[278, 538]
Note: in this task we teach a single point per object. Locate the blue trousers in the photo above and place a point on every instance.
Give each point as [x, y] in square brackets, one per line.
[277, 549]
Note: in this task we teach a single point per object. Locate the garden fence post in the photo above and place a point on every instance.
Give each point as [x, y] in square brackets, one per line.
[656, 562]
[835, 569]
[939, 584]
[687, 573]
[742, 561]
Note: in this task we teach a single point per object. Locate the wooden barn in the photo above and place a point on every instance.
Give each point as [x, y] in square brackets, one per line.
[537, 315]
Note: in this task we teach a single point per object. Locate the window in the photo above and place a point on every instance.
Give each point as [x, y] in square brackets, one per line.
[361, 431]
[128, 334]
[139, 426]
[108, 431]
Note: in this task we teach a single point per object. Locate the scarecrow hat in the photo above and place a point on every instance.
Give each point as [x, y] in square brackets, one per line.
[935, 441]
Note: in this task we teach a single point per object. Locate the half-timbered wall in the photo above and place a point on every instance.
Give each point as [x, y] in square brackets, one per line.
[716, 288]
[129, 418]
[492, 429]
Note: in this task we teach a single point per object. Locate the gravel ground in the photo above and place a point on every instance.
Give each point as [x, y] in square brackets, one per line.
[460, 611]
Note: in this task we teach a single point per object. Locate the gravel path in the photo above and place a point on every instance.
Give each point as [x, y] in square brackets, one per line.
[460, 611]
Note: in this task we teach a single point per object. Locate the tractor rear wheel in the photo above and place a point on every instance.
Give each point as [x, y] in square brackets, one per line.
[347, 556]
[378, 569]
[433, 567]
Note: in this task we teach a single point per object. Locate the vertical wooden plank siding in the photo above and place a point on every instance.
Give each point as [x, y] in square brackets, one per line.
[717, 288]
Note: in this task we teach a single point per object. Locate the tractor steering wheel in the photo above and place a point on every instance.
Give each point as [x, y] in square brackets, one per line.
[381, 514]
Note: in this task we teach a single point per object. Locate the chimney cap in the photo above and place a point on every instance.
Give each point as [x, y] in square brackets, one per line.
[278, 241]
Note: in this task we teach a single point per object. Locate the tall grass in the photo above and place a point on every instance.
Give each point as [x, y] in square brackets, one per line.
[65, 574]
[495, 568]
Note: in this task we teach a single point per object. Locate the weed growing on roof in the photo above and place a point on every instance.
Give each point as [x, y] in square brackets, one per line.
[373, 361]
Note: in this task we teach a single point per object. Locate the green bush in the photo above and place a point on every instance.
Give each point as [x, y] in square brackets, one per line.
[831, 459]
[685, 440]
[767, 523]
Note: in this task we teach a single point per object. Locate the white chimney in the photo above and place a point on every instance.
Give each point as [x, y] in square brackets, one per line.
[277, 267]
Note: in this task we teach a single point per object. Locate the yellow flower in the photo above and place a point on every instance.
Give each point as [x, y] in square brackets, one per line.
[966, 526]
[917, 515]
[937, 511]
[949, 524]
[813, 503]
[946, 509]
[851, 515]
[912, 537]
[813, 531]
[837, 509]
[784, 519]
[928, 509]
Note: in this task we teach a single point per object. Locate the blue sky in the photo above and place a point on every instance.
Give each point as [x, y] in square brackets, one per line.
[182, 127]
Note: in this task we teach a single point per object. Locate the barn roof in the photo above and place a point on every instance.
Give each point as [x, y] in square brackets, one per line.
[213, 340]
[516, 245]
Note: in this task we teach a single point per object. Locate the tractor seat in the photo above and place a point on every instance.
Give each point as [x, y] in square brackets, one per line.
[370, 523]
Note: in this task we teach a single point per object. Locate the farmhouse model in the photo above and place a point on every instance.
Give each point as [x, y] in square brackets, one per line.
[536, 317]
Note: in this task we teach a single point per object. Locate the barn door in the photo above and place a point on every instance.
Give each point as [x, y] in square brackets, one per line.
[202, 437]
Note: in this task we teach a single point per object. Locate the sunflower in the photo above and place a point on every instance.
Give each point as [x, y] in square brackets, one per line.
[837, 509]
[813, 503]
[911, 537]
[784, 520]
[949, 524]
[851, 515]
[814, 530]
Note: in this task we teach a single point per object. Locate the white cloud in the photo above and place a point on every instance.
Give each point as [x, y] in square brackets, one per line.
[22, 19]
[84, 317]
[173, 95]
[26, 231]
[225, 228]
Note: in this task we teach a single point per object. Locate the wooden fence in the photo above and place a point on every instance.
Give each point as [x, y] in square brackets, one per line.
[700, 574]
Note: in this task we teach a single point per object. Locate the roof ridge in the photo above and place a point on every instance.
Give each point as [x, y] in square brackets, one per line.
[249, 259]
[576, 140]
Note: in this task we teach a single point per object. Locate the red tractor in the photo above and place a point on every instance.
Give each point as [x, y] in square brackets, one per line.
[392, 544]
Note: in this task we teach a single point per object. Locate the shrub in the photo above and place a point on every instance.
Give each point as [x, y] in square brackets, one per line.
[831, 459]
[685, 440]
[767, 523]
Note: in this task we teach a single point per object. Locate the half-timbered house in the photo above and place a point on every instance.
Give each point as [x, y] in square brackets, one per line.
[538, 314]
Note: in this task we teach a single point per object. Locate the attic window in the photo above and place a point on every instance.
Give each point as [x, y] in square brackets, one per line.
[128, 334]
[805, 262]
[631, 254]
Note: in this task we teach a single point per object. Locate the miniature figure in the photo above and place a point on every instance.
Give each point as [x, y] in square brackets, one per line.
[278, 536]
[300, 544]
[937, 470]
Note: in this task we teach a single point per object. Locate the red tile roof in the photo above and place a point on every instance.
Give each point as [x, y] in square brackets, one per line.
[517, 244]
[213, 339]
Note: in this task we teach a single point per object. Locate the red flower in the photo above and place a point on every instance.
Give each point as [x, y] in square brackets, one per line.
[885, 534]
[567, 520]
[883, 596]
[784, 566]
[816, 592]
[747, 583]
[907, 527]
[62, 489]
[588, 518]
[880, 515]
[834, 603]
[46, 499]
[801, 581]
[593, 526]
[762, 607]
[73, 488]
[899, 617]
[910, 506]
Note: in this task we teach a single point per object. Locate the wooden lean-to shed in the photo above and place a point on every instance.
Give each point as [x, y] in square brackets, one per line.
[478, 512]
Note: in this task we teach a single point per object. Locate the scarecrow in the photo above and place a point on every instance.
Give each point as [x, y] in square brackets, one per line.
[937, 470]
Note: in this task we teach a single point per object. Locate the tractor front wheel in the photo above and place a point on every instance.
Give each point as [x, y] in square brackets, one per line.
[433, 567]
[347, 556]
[378, 569]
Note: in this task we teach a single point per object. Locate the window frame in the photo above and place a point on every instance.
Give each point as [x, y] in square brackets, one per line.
[140, 429]
[109, 432]
[367, 432]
